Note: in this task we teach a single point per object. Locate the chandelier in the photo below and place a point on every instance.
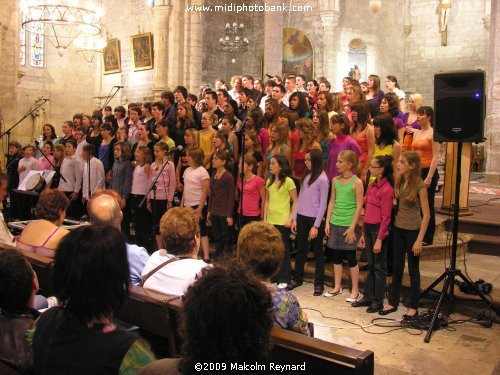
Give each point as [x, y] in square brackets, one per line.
[61, 21]
[235, 45]
[90, 47]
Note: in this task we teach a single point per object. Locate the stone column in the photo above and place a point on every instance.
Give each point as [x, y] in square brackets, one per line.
[493, 104]
[195, 48]
[273, 41]
[161, 15]
[330, 16]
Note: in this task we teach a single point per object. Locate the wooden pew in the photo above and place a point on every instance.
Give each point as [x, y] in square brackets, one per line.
[153, 313]
[320, 357]
[158, 315]
[43, 267]
[288, 347]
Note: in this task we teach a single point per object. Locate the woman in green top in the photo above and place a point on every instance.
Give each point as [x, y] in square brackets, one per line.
[281, 198]
[344, 210]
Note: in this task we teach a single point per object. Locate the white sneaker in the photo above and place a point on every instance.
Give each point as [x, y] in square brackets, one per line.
[282, 285]
[331, 293]
[351, 299]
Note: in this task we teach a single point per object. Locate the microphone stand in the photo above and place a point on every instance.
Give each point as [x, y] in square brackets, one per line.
[110, 97]
[242, 135]
[58, 173]
[38, 103]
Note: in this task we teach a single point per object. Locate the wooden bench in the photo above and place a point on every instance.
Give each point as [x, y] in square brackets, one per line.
[288, 347]
[43, 267]
[158, 315]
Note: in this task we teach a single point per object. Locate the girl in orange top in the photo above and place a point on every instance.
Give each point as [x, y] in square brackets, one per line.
[428, 150]
[363, 133]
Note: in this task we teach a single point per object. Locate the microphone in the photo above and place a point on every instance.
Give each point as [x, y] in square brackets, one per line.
[120, 87]
[42, 98]
[269, 76]
[175, 149]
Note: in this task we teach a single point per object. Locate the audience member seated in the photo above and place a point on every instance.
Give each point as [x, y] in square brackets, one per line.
[261, 248]
[91, 279]
[18, 286]
[42, 236]
[104, 209]
[225, 320]
[171, 270]
[5, 235]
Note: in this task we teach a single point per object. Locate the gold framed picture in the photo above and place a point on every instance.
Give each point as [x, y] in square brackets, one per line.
[142, 51]
[111, 57]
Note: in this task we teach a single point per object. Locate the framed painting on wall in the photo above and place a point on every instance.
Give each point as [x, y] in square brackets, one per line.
[111, 57]
[142, 51]
[298, 53]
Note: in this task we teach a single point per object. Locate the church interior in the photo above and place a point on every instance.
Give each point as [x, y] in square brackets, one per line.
[223, 186]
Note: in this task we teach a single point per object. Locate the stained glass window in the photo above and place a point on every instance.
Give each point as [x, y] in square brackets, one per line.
[37, 46]
[23, 47]
[35, 41]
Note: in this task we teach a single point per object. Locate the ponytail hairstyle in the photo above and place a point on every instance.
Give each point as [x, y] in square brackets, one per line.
[285, 169]
[385, 161]
[316, 166]
[394, 80]
[410, 157]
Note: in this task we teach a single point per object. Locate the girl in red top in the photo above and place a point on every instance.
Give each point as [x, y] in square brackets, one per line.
[376, 226]
[307, 134]
[253, 192]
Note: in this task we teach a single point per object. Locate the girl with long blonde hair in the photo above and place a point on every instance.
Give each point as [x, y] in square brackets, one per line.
[409, 229]
[280, 145]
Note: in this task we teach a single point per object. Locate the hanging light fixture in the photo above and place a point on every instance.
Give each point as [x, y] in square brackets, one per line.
[61, 21]
[234, 42]
[375, 5]
[90, 47]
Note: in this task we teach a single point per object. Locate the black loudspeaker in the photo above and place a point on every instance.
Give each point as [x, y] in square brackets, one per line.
[459, 106]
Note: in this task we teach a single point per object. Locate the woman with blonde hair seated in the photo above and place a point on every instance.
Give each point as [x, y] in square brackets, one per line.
[42, 236]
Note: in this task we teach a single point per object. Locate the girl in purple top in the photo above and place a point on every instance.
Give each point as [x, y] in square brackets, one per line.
[339, 126]
[375, 95]
[390, 105]
[410, 119]
[308, 222]
[376, 226]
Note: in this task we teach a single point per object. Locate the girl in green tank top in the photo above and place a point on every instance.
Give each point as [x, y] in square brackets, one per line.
[344, 210]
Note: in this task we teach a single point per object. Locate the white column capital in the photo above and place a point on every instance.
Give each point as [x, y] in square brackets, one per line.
[330, 18]
[329, 5]
[162, 3]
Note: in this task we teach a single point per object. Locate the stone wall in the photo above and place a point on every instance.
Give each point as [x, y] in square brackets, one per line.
[218, 64]
[424, 54]
[124, 18]
[9, 65]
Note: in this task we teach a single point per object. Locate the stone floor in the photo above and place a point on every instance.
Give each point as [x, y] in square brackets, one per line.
[465, 349]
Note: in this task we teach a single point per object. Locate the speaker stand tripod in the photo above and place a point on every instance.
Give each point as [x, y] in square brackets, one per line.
[451, 273]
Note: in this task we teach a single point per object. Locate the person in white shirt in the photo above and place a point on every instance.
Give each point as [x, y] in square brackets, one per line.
[104, 209]
[72, 171]
[300, 81]
[27, 163]
[5, 235]
[269, 91]
[133, 124]
[96, 173]
[81, 142]
[290, 89]
[172, 270]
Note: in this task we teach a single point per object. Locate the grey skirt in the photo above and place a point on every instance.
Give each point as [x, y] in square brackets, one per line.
[336, 240]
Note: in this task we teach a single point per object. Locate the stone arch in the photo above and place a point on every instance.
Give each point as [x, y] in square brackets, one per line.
[357, 57]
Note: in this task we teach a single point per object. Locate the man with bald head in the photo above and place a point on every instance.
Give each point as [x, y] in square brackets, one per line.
[104, 209]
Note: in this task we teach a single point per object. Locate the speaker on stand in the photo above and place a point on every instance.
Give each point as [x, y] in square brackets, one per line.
[459, 106]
